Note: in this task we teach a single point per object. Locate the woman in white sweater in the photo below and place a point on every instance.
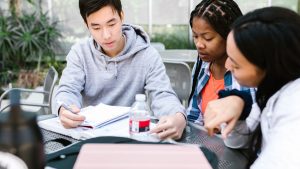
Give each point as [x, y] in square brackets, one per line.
[263, 52]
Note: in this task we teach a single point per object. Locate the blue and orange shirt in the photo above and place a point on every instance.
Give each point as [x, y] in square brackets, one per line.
[194, 111]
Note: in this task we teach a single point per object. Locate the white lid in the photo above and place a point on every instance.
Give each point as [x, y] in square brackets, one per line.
[140, 97]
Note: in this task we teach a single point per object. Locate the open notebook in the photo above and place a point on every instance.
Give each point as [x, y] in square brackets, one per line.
[100, 122]
[141, 156]
[102, 114]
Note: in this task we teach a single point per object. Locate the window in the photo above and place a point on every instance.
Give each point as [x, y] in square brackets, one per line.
[163, 17]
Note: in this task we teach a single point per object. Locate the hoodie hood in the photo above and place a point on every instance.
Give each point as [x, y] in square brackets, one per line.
[136, 40]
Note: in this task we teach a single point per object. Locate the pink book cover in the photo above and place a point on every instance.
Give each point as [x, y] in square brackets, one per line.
[141, 156]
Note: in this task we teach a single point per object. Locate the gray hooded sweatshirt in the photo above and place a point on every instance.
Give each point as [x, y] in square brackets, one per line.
[91, 77]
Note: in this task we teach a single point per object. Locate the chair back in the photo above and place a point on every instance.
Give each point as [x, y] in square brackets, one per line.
[34, 99]
[48, 87]
[180, 78]
[158, 46]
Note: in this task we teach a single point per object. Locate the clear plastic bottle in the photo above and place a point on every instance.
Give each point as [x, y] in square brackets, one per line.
[139, 118]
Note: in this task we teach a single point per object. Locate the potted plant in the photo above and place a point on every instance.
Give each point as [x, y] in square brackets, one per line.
[25, 41]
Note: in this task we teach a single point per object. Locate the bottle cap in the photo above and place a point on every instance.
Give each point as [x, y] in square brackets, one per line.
[140, 97]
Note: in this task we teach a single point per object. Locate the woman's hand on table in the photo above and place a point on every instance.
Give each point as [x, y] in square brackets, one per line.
[170, 126]
[226, 110]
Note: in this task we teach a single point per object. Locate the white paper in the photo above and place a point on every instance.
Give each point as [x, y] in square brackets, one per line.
[98, 115]
[102, 114]
[119, 129]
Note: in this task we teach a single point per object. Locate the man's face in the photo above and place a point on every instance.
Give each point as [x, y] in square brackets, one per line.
[105, 25]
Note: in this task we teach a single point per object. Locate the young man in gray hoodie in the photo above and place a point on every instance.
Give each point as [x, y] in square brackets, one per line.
[114, 65]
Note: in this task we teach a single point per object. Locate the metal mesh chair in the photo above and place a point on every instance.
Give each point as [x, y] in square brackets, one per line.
[47, 91]
[158, 46]
[180, 77]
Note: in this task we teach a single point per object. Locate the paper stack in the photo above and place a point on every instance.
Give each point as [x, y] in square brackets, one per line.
[102, 114]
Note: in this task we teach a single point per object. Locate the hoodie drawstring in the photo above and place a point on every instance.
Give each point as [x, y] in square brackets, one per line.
[116, 70]
[116, 67]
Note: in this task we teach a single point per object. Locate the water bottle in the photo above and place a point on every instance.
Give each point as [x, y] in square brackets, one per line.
[21, 141]
[139, 118]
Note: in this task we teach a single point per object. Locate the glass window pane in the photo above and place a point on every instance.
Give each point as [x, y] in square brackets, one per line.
[165, 13]
[4, 6]
[70, 21]
[170, 23]
[291, 4]
[245, 6]
[136, 11]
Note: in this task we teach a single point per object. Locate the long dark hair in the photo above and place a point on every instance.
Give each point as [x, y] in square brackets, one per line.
[269, 38]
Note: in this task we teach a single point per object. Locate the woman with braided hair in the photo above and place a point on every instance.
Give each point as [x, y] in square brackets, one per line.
[210, 22]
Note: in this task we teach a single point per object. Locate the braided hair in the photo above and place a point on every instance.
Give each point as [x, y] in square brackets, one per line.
[220, 14]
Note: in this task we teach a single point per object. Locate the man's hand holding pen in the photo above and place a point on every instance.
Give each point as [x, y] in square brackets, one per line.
[69, 116]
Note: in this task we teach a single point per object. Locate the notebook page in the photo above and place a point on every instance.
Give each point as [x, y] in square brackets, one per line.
[101, 114]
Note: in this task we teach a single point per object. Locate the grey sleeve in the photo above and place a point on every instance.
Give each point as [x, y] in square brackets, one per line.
[71, 82]
[242, 133]
[164, 100]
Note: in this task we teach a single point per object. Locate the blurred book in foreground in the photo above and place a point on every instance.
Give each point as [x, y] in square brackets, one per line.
[137, 156]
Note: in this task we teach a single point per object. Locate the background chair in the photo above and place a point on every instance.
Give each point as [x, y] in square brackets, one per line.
[46, 92]
[180, 77]
[180, 55]
[158, 46]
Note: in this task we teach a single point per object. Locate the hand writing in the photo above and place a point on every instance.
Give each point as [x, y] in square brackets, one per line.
[70, 119]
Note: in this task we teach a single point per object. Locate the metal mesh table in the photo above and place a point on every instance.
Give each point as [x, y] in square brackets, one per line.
[226, 158]
[52, 146]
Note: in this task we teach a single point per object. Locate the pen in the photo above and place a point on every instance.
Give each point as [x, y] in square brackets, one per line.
[65, 106]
